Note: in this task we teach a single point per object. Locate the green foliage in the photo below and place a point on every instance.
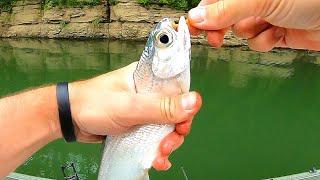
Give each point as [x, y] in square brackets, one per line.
[177, 4]
[193, 3]
[6, 5]
[144, 2]
[70, 3]
[113, 2]
[96, 22]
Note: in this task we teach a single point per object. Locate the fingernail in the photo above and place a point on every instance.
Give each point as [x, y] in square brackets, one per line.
[188, 101]
[197, 14]
[279, 33]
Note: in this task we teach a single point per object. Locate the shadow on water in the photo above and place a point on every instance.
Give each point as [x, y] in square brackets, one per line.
[259, 119]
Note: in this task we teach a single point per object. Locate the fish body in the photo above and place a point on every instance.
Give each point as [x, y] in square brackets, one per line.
[164, 69]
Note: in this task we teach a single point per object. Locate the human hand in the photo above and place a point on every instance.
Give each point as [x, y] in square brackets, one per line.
[109, 105]
[265, 23]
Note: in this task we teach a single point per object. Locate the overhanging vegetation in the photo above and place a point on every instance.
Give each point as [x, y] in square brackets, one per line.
[177, 4]
[70, 3]
[6, 5]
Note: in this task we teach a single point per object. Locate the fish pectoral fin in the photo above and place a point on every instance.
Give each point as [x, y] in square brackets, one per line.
[144, 176]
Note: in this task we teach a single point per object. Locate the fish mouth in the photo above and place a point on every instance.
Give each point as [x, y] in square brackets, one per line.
[182, 30]
[175, 24]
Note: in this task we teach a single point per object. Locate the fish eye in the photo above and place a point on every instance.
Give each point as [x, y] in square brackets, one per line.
[164, 39]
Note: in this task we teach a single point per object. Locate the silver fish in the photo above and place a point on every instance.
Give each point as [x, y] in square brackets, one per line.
[164, 68]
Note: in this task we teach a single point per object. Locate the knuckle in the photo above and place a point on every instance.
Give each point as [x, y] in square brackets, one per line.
[220, 8]
[218, 11]
[168, 109]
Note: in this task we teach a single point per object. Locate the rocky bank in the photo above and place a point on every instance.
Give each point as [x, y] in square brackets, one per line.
[124, 19]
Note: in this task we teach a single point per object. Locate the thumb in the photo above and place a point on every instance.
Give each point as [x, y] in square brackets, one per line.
[165, 110]
[225, 13]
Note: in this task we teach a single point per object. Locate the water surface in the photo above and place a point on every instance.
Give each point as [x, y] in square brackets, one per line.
[260, 115]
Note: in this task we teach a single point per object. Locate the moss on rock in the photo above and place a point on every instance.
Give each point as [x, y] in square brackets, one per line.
[177, 4]
[70, 3]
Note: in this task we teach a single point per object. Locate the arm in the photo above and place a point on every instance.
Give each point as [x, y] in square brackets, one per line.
[99, 106]
[28, 121]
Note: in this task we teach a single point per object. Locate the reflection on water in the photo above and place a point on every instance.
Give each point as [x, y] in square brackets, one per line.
[259, 119]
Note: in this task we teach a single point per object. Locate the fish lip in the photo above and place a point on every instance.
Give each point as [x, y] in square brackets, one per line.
[183, 30]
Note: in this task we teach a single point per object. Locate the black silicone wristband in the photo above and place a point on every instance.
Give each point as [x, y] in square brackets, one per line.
[65, 117]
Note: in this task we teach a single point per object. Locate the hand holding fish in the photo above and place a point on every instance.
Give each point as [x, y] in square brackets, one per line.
[100, 106]
[109, 105]
[265, 23]
[144, 109]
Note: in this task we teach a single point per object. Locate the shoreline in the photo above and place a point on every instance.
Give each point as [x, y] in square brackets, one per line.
[125, 20]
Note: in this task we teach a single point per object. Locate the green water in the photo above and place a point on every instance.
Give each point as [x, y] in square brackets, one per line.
[260, 116]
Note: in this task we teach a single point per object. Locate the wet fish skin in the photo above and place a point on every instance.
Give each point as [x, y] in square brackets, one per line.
[164, 68]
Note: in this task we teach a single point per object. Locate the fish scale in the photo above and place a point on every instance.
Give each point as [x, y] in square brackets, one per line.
[163, 69]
